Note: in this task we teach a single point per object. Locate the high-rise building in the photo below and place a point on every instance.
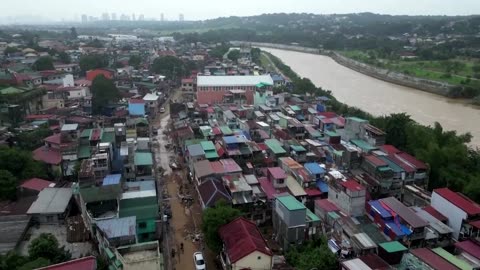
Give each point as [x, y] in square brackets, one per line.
[114, 16]
[162, 18]
[141, 17]
[180, 17]
[133, 16]
[105, 17]
[84, 18]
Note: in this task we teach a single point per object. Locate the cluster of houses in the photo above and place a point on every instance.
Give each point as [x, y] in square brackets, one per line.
[288, 162]
[284, 160]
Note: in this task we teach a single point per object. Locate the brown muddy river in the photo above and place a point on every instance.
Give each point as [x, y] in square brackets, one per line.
[379, 98]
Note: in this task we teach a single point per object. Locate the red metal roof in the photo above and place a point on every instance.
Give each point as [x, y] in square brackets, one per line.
[313, 192]
[389, 149]
[432, 259]
[419, 165]
[216, 131]
[55, 139]
[39, 116]
[241, 238]
[37, 184]
[85, 263]
[458, 199]
[136, 101]
[277, 173]
[352, 185]
[375, 262]
[432, 211]
[375, 161]
[47, 155]
[326, 205]
[469, 247]
[327, 114]
[262, 146]
[405, 166]
[475, 224]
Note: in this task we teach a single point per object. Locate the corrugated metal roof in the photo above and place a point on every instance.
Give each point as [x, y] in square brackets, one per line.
[111, 179]
[294, 187]
[432, 259]
[51, 201]
[314, 168]
[291, 203]
[275, 146]
[195, 150]
[365, 240]
[233, 80]
[467, 205]
[118, 227]
[355, 264]
[277, 173]
[393, 246]
[143, 159]
[404, 212]
[469, 247]
[452, 259]
[437, 225]
[138, 194]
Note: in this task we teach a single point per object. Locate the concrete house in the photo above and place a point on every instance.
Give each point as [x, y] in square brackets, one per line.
[459, 210]
[52, 206]
[349, 196]
[289, 221]
[244, 246]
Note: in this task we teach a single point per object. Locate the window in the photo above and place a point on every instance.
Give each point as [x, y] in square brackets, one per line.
[142, 225]
[280, 181]
[259, 257]
[49, 219]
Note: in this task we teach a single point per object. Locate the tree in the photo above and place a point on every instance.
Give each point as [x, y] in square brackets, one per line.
[312, 255]
[396, 126]
[213, 218]
[12, 260]
[234, 55]
[255, 53]
[43, 63]
[135, 61]
[93, 61]
[170, 66]
[37, 263]
[104, 92]
[218, 51]
[64, 57]
[95, 43]
[73, 33]
[20, 163]
[46, 246]
[8, 185]
[31, 140]
[10, 50]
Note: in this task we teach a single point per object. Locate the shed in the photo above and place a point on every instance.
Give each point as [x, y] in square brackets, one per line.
[391, 252]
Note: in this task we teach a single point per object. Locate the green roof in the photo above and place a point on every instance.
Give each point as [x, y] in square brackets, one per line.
[84, 151]
[291, 203]
[333, 215]
[275, 146]
[391, 164]
[262, 84]
[311, 217]
[356, 119]
[108, 137]
[110, 254]
[96, 194]
[207, 146]
[384, 169]
[295, 108]
[226, 130]
[211, 154]
[452, 259]
[143, 159]
[298, 148]
[331, 133]
[363, 144]
[11, 90]
[393, 246]
[86, 133]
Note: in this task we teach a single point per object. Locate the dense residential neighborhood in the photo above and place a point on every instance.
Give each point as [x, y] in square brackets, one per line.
[136, 153]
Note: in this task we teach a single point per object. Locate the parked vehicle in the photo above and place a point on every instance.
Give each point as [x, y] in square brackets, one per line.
[162, 110]
[199, 261]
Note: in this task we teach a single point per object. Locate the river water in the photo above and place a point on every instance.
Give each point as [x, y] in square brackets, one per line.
[379, 97]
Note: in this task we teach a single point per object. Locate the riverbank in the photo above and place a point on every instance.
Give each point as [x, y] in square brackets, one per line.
[430, 86]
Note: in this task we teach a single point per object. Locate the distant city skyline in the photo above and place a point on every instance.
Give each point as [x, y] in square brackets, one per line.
[56, 10]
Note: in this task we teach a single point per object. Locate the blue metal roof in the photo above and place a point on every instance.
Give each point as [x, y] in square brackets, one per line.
[322, 186]
[399, 231]
[314, 168]
[379, 208]
[118, 227]
[112, 179]
[195, 150]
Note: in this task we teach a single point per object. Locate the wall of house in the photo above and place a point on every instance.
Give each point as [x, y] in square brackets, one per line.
[454, 214]
[354, 205]
[77, 93]
[255, 260]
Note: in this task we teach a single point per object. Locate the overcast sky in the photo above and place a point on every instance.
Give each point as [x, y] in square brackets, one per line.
[205, 9]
